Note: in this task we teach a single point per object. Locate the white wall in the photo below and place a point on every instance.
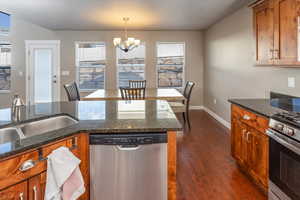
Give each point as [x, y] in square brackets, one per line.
[229, 65]
[21, 31]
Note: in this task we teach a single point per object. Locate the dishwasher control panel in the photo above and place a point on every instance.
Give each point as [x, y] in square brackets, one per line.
[128, 139]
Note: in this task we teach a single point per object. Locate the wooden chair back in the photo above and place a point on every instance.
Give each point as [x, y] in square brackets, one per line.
[137, 84]
[72, 91]
[188, 92]
[133, 93]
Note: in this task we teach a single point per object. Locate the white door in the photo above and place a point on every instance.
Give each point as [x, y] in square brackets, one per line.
[43, 67]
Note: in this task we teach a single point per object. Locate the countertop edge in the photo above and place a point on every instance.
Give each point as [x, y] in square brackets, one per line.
[232, 101]
[7, 155]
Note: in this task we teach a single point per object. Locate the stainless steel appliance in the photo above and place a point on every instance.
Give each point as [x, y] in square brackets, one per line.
[128, 166]
[284, 156]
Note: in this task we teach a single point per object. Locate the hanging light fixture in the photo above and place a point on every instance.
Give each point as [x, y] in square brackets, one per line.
[129, 43]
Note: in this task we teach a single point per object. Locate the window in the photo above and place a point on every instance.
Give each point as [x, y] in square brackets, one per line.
[4, 23]
[170, 65]
[131, 65]
[5, 66]
[90, 61]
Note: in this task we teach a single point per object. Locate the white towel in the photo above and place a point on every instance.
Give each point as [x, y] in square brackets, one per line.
[62, 168]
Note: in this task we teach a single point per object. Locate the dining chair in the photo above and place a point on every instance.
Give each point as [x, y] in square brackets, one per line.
[137, 84]
[72, 91]
[132, 93]
[183, 107]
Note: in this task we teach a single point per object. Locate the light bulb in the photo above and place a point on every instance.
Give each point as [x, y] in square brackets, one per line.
[117, 41]
[137, 42]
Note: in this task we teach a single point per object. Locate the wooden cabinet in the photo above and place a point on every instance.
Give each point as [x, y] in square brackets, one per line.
[30, 183]
[276, 32]
[258, 159]
[250, 144]
[37, 186]
[264, 33]
[16, 192]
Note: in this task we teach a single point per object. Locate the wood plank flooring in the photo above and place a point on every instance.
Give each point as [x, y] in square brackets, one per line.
[206, 170]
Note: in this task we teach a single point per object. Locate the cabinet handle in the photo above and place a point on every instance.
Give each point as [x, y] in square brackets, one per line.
[272, 54]
[34, 193]
[247, 138]
[243, 134]
[246, 117]
[27, 165]
[21, 196]
[276, 53]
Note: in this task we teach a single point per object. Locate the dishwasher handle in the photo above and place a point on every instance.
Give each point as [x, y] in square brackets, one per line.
[128, 148]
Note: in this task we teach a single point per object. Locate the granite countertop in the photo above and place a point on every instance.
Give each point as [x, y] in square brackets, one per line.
[264, 107]
[103, 117]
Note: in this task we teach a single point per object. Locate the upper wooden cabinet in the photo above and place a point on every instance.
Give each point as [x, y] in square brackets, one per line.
[276, 24]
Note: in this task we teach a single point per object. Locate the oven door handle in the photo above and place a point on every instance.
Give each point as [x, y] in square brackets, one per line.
[283, 142]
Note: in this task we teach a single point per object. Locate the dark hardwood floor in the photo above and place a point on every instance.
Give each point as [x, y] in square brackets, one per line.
[206, 170]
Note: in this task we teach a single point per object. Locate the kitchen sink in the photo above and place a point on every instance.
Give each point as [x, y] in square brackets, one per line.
[10, 134]
[46, 125]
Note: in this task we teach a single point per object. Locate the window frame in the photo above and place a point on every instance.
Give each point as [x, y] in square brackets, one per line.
[6, 42]
[183, 66]
[78, 67]
[117, 66]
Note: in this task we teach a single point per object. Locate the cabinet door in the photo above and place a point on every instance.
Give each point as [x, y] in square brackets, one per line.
[286, 32]
[16, 192]
[238, 143]
[37, 186]
[259, 158]
[79, 145]
[264, 32]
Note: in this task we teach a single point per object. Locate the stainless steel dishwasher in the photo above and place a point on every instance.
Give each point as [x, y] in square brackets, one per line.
[128, 166]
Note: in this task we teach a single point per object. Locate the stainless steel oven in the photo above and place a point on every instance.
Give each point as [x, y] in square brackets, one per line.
[284, 167]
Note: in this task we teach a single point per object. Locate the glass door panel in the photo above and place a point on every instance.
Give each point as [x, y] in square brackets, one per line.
[42, 75]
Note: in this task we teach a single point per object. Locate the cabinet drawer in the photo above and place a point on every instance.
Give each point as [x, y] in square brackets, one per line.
[10, 172]
[256, 121]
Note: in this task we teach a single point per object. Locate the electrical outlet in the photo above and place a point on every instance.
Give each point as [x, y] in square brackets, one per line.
[291, 82]
[215, 101]
[65, 73]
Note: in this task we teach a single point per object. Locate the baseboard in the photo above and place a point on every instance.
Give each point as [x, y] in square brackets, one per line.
[217, 117]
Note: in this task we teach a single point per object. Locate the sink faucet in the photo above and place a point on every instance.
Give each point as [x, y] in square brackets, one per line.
[17, 103]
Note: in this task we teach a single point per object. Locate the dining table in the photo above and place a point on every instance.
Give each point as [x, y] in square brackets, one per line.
[168, 94]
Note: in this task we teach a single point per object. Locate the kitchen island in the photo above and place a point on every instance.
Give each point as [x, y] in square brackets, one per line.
[97, 117]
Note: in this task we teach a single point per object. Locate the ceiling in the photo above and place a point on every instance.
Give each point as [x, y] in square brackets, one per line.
[108, 14]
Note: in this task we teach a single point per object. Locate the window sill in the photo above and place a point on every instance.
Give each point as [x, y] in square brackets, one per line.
[4, 91]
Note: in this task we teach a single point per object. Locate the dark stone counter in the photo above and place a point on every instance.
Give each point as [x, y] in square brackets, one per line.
[264, 107]
[103, 117]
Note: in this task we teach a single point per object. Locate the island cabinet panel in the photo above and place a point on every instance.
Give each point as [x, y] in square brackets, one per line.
[172, 160]
[276, 24]
[16, 192]
[32, 182]
[250, 145]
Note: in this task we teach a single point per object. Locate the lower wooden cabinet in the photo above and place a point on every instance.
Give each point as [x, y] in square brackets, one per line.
[30, 184]
[16, 192]
[37, 186]
[250, 148]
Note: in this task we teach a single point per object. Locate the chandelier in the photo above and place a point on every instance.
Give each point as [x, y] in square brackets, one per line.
[129, 43]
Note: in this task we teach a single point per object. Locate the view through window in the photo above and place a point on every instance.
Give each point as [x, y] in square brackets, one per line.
[90, 59]
[131, 65]
[5, 66]
[170, 65]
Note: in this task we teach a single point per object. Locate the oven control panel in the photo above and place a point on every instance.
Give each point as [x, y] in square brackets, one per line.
[285, 129]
